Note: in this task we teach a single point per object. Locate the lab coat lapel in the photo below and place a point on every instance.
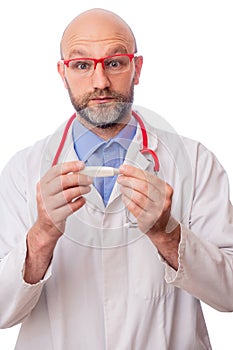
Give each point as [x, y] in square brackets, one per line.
[52, 146]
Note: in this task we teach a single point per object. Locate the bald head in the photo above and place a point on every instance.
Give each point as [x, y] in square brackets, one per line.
[97, 25]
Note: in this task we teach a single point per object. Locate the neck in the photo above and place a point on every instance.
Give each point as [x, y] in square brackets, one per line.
[106, 133]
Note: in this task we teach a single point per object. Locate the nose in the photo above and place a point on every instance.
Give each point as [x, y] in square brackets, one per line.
[100, 79]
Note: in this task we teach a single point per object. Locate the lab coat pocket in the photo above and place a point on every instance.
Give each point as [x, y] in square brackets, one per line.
[147, 272]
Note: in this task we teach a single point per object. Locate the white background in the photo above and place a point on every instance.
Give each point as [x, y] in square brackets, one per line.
[187, 78]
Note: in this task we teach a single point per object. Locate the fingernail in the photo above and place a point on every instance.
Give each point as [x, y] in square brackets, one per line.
[90, 179]
[122, 168]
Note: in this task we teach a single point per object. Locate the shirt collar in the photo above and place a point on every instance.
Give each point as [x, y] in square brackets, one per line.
[83, 136]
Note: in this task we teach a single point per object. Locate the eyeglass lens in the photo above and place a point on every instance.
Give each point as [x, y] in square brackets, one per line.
[112, 65]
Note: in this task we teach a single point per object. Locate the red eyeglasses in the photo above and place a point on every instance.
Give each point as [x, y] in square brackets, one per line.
[114, 64]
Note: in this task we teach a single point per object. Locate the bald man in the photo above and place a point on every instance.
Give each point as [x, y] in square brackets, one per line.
[112, 262]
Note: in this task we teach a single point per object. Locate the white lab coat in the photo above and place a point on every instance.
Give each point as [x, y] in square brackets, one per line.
[107, 288]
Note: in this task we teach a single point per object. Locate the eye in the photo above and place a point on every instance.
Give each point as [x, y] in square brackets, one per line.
[83, 66]
[113, 64]
[117, 64]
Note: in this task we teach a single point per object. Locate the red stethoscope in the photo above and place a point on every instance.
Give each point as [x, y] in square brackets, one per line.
[144, 149]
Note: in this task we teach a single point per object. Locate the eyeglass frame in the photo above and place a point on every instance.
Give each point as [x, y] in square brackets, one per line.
[98, 60]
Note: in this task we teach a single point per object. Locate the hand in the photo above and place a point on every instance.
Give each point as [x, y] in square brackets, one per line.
[59, 194]
[149, 199]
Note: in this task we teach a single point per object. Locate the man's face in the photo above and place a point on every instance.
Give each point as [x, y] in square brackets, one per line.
[102, 99]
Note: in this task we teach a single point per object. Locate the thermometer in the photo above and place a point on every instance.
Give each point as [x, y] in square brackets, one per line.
[99, 171]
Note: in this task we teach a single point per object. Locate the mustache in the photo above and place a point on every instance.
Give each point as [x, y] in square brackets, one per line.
[104, 93]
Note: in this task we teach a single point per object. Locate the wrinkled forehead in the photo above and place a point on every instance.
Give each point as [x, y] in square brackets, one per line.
[94, 30]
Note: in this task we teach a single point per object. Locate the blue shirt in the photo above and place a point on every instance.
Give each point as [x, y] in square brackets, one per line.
[94, 151]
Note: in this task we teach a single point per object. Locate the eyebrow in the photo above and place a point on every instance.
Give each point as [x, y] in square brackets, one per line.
[118, 49]
[112, 51]
[77, 53]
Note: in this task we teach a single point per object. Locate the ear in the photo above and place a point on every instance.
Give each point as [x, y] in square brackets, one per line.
[138, 67]
[61, 71]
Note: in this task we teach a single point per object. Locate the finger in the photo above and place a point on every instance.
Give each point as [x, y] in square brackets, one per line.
[139, 198]
[142, 186]
[141, 204]
[64, 168]
[145, 219]
[74, 179]
[155, 188]
[63, 182]
[69, 167]
[156, 185]
[133, 208]
[131, 171]
[67, 196]
[148, 211]
[61, 214]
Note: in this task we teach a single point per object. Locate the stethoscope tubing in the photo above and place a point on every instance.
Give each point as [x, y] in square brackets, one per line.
[144, 149]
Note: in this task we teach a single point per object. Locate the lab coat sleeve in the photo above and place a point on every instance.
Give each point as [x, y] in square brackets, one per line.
[206, 246]
[17, 298]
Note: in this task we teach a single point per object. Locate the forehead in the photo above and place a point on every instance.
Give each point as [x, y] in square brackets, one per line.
[97, 33]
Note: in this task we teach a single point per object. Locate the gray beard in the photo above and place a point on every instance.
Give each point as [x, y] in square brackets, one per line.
[105, 115]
